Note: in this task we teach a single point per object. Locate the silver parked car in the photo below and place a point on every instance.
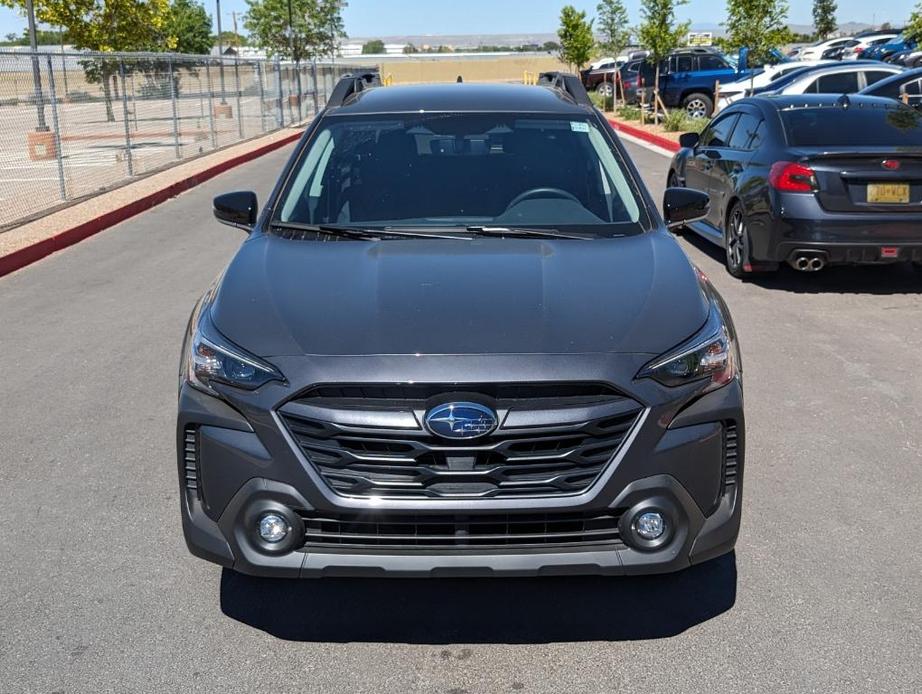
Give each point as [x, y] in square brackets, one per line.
[845, 78]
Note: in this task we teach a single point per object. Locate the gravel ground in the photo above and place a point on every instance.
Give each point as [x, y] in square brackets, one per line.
[98, 594]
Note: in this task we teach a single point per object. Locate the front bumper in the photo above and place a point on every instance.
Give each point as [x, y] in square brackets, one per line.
[675, 460]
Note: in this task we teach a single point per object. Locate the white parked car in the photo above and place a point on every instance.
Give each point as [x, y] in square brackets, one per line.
[734, 91]
[815, 52]
[841, 78]
[857, 46]
[608, 63]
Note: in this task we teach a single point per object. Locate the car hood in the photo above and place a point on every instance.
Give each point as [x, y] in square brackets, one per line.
[634, 294]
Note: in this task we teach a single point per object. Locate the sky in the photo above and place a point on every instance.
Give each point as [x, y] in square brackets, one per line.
[370, 18]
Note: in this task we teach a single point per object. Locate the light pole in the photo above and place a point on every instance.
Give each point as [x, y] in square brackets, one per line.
[220, 53]
[296, 59]
[36, 71]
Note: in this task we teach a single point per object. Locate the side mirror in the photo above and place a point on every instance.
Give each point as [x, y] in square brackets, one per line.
[689, 140]
[682, 206]
[238, 209]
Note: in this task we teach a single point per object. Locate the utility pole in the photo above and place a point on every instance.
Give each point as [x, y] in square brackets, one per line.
[63, 64]
[36, 71]
[295, 58]
[220, 53]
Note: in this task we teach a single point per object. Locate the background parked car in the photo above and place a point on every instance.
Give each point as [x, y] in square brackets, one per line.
[894, 87]
[809, 180]
[857, 46]
[734, 91]
[815, 52]
[843, 78]
[687, 79]
[601, 79]
[885, 50]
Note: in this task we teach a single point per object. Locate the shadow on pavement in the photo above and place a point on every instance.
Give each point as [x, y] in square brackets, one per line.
[486, 610]
[900, 278]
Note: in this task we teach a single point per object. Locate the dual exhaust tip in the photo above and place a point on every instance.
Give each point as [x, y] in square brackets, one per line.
[807, 261]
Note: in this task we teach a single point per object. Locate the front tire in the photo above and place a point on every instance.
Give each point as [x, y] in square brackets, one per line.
[698, 105]
[605, 89]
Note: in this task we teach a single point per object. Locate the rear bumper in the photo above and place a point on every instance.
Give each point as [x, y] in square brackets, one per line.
[853, 254]
[839, 239]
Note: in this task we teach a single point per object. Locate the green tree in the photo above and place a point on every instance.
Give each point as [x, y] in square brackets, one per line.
[576, 39]
[410, 49]
[44, 37]
[550, 46]
[913, 28]
[824, 17]
[373, 46]
[267, 22]
[758, 25]
[330, 26]
[614, 32]
[106, 26]
[229, 38]
[189, 25]
[659, 33]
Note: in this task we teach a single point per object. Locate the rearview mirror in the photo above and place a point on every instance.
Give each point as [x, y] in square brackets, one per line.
[237, 209]
[689, 140]
[682, 206]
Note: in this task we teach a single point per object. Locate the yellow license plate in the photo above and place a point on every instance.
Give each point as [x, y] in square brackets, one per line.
[888, 192]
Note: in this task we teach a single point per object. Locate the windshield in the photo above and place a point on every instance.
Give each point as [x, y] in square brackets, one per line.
[456, 170]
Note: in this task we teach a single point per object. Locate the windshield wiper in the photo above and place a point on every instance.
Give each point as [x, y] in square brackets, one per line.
[358, 232]
[332, 230]
[523, 231]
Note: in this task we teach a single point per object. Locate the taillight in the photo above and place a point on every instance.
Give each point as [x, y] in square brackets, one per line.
[792, 178]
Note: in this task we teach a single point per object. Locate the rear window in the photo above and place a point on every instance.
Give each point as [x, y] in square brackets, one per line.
[853, 127]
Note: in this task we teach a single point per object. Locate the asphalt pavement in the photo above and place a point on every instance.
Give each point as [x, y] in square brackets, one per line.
[98, 592]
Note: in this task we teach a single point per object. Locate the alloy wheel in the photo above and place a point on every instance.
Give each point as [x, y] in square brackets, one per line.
[737, 243]
[696, 108]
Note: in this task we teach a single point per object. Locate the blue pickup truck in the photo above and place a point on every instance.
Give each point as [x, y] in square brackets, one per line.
[688, 76]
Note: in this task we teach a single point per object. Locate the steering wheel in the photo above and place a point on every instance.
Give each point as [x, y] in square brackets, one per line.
[542, 193]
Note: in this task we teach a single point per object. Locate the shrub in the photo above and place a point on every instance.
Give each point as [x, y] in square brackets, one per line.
[602, 103]
[674, 121]
[694, 125]
[628, 113]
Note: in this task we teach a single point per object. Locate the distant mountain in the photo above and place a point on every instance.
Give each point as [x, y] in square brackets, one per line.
[460, 41]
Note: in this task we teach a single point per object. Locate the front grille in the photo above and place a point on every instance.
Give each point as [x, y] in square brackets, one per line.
[454, 532]
[190, 462]
[370, 443]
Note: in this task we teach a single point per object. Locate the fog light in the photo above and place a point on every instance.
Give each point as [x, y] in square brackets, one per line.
[273, 527]
[650, 525]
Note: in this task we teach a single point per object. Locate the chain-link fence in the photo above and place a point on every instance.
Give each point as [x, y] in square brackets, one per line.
[74, 124]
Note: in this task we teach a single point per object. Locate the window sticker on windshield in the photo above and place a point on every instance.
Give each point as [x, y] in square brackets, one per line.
[579, 127]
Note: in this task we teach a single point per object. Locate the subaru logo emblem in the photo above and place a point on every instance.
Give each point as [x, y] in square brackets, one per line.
[460, 420]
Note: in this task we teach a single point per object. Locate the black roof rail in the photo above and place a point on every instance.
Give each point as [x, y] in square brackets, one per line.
[352, 84]
[568, 83]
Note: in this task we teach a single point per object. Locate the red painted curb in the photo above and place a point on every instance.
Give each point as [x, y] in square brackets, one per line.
[641, 134]
[26, 256]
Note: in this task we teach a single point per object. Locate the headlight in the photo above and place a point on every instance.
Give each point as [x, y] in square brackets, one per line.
[712, 354]
[209, 358]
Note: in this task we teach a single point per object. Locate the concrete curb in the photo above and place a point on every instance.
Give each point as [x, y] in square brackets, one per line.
[22, 257]
[641, 134]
